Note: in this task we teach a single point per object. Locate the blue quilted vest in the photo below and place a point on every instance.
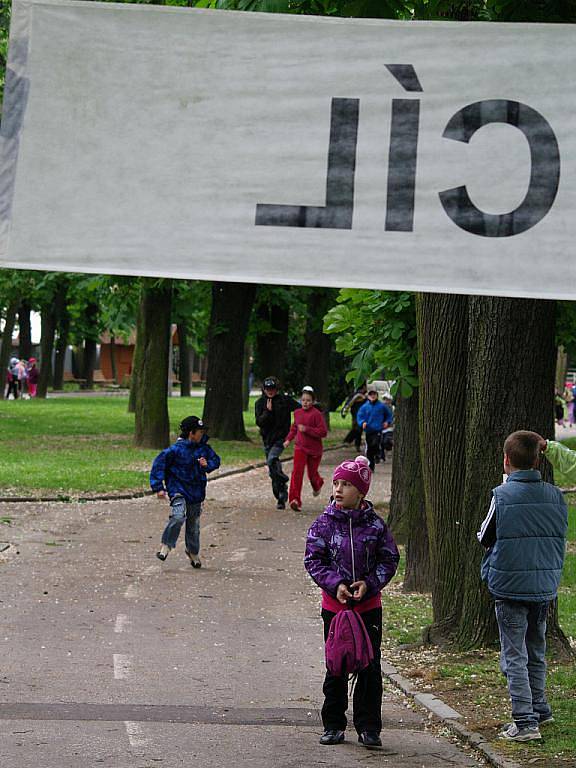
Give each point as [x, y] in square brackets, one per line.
[526, 561]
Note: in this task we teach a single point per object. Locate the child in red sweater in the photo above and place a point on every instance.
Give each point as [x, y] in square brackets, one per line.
[308, 428]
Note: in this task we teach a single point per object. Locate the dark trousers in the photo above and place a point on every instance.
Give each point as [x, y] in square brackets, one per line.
[367, 700]
[279, 479]
[372, 447]
[354, 436]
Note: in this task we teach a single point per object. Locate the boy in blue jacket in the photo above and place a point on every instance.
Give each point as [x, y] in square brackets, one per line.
[373, 417]
[180, 471]
[524, 534]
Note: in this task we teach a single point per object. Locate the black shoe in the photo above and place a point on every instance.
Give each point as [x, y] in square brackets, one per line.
[370, 739]
[281, 505]
[329, 737]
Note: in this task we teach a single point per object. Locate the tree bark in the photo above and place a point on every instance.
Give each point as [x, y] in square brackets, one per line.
[231, 308]
[138, 356]
[113, 362]
[510, 389]
[152, 426]
[48, 330]
[184, 361]
[318, 347]
[407, 518]
[442, 323]
[272, 344]
[90, 343]
[24, 331]
[61, 347]
[6, 349]
[246, 378]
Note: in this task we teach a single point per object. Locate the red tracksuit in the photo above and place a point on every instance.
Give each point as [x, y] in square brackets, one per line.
[307, 452]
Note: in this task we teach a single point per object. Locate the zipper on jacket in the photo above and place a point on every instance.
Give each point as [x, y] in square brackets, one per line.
[352, 552]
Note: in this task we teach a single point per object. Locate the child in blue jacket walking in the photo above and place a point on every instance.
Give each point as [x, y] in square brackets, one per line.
[180, 471]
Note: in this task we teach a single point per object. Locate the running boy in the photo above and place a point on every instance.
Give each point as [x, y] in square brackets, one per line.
[180, 471]
[308, 428]
[524, 533]
[351, 555]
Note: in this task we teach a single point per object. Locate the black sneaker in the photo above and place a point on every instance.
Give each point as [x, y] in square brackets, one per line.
[330, 737]
[370, 739]
[281, 505]
[163, 552]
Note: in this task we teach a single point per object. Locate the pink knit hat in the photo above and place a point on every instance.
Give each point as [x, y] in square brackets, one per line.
[357, 472]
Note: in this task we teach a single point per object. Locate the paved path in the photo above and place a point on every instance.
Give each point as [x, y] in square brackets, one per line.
[110, 658]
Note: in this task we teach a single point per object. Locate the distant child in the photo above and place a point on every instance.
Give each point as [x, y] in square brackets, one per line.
[180, 471]
[350, 524]
[33, 376]
[373, 416]
[308, 428]
[524, 533]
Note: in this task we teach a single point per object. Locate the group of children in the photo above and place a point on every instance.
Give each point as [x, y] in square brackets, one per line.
[21, 378]
[351, 555]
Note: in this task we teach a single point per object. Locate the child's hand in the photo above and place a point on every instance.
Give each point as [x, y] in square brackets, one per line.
[542, 445]
[161, 494]
[202, 461]
[359, 589]
[342, 594]
[301, 428]
[286, 443]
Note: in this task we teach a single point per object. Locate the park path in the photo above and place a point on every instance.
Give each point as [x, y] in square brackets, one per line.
[110, 658]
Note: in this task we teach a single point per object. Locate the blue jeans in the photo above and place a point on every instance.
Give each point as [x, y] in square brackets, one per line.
[279, 479]
[522, 628]
[180, 511]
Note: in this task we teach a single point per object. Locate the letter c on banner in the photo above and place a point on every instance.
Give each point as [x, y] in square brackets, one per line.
[544, 174]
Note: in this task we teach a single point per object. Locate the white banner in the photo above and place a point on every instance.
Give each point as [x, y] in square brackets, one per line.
[290, 149]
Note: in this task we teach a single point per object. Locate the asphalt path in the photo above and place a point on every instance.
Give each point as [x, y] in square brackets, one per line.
[110, 658]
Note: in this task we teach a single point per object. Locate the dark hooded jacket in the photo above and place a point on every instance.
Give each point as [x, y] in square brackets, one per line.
[275, 424]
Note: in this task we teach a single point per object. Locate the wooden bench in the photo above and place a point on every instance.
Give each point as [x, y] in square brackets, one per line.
[99, 378]
[69, 378]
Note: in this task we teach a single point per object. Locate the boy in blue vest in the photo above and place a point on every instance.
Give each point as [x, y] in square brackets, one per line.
[180, 471]
[524, 534]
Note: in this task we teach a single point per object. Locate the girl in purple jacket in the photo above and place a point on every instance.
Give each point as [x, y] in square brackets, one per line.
[349, 523]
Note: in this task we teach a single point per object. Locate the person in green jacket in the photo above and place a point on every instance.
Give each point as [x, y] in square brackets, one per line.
[561, 457]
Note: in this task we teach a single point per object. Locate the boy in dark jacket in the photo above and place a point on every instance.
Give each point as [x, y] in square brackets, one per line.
[273, 413]
[180, 471]
[351, 555]
[524, 533]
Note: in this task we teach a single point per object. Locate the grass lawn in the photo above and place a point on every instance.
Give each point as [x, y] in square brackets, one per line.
[83, 446]
[472, 682]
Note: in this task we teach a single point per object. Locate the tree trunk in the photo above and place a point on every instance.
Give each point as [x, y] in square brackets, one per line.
[318, 347]
[442, 323]
[6, 348]
[407, 518]
[138, 355]
[48, 330]
[60, 355]
[152, 425]
[272, 344]
[184, 361]
[63, 328]
[246, 378]
[90, 344]
[510, 389]
[113, 361]
[24, 331]
[231, 308]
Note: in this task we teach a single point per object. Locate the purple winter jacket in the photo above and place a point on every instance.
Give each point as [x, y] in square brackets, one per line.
[328, 557]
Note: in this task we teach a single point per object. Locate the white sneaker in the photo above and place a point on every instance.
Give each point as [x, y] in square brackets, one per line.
[528, 733]
[163, 552]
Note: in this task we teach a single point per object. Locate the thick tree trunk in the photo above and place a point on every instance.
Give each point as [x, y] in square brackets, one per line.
[318, 347]
[407, 517]
[231, 308]
[510, 389]
[63, 328]
[272, 344]
[184, 361]
[246, 378]
[90, 343]
[152, 426]
[6, 348]
[48, 330]
[442, 323]
[24, 331]
[138, 355]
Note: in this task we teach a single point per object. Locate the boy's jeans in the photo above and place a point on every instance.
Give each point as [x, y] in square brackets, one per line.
[180, 511]
[279, 479]
[522, 628]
